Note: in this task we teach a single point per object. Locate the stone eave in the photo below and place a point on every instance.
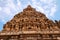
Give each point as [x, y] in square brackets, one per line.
[30, 32]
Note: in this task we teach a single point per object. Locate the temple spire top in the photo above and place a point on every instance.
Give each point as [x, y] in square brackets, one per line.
[29, 8]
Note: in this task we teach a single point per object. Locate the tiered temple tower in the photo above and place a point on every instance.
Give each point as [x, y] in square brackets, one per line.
[30, 25]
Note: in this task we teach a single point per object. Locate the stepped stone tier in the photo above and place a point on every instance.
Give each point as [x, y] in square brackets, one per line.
[30, 25]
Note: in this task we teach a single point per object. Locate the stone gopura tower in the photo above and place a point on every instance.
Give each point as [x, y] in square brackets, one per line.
[30, 25]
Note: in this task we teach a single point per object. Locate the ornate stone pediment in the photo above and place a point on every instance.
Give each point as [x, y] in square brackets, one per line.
[30, 20]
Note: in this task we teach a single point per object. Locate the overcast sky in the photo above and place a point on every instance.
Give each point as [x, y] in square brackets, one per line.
[9, 8]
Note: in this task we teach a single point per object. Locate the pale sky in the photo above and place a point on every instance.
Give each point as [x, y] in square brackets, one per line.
[9, 8]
